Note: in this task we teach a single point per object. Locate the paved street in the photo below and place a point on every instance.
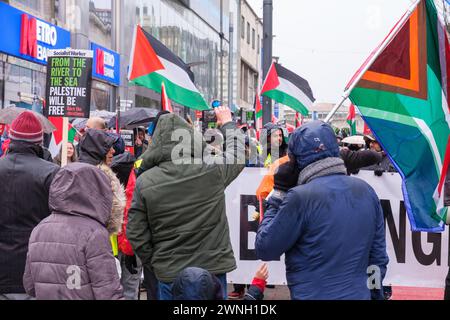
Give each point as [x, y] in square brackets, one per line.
[398, 293]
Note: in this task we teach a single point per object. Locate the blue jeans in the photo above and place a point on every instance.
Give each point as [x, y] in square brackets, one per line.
[165, 289]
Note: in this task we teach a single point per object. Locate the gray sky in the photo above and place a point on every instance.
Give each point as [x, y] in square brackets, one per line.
[326, 41]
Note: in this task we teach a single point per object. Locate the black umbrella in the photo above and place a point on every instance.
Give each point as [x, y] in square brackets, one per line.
[134, 118]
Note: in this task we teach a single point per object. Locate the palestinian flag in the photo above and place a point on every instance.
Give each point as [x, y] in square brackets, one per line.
[152, 63]
[403, 98]
[366, 130]
[165, 102]
[285, 87]
[298, 119]
[258, 112]
[57, 135]
[351, 119]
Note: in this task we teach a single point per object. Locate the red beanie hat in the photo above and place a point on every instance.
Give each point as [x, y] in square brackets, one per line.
[26, 127]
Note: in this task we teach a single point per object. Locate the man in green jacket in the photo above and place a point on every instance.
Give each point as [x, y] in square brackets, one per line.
[177, 218]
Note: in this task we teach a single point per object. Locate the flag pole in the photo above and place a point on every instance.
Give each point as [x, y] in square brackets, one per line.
[65, 141]
[372, 59]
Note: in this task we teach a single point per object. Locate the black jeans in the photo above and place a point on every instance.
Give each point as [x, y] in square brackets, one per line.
[447, 287]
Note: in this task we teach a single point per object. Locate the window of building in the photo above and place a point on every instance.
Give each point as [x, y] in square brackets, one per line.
[245, 83]
[253, 39]
[100, 96]
[259, 44]
[23, 87]
[100, 22]
[243, 27]
[33, 4]
[248, 32]
[255, 83]
[250, 86]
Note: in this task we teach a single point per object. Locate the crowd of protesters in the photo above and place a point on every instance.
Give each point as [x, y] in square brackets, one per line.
[91, 229]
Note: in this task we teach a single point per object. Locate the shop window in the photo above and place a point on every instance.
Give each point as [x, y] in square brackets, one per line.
[100, 96]
[23, 87]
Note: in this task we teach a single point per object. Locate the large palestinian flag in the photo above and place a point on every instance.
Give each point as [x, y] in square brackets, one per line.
[151, 64]
[286, 87]
[403, 97]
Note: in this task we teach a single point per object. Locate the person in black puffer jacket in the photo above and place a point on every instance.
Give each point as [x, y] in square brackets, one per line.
[26, 179]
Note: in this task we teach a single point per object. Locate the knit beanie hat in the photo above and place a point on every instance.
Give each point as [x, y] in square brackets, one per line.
[27, 127]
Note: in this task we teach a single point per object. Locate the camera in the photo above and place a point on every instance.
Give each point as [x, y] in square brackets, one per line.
[209, 118]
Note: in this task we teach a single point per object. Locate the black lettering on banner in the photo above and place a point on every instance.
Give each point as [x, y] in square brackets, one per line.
[435, 255]
[246, 227]
[398, 239]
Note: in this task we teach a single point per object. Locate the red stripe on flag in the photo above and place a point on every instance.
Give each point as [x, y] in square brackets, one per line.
[357, 73]
[444, 168]
[165, 102]
[58, 133]
[272, 81]
[367, 130]
[258, 110]
[351, 113]
[145, 59]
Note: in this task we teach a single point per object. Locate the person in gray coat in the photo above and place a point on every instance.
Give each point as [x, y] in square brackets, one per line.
[70, 255]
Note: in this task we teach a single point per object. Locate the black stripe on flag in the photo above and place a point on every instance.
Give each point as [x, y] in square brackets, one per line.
[295, 79]
[165, 53]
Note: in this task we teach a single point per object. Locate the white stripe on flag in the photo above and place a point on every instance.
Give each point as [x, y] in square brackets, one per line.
[292, 90]
[133, 47]
[176, 75]
[428, 134]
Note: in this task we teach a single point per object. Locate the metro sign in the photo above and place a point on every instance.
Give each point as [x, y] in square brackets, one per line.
[33, 34]
[27, 37]
[106, 64]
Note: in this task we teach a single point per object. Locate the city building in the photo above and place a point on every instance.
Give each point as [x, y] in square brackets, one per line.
[198, 31]
[250, 34]
[319, 111]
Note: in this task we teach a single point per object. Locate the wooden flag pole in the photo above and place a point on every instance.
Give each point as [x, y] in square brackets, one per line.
[65, 141]
[372, 59]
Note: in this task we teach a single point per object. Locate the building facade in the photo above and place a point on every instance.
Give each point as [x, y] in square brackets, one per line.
[319, 111]
[250, 34]
[198, 31]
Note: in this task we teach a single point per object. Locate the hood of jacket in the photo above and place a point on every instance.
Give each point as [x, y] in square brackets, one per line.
[95, 145]
[267, 131]
[23, 147]
[114, 224]
[312, 142]
[197, 284]
[172, 131]
[82, 190]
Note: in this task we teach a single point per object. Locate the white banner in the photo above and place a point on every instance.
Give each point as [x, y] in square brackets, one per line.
[416, 259]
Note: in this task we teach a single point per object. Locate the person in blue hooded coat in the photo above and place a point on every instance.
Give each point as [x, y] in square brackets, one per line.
[329, 226]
